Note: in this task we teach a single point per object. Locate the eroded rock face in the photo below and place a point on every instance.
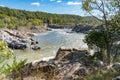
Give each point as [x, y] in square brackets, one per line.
[33, 68]
[62, 52]
[71, 63]
[61, 26]
[82, 28]
[18, 40]
[17, 45]
[67, 65]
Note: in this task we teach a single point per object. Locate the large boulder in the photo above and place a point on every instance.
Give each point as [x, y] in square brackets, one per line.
[31, 69]
[16, 45]
[36, 48]
[72, 62]
[71, 54]
[68, 64]
[18, 40]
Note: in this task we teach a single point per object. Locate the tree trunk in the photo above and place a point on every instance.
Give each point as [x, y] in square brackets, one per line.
[104, 54]
[108, 54]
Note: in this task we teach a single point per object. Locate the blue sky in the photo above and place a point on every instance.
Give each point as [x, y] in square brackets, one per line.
[51, 6]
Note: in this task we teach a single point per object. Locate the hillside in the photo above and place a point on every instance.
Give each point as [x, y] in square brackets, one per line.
[13, 18]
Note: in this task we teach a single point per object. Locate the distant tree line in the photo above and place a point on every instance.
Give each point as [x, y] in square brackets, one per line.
[13, 18]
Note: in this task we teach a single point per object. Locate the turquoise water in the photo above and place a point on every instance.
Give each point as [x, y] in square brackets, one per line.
[50, 42]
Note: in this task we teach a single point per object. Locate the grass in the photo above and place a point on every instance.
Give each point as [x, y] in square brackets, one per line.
[102, 75]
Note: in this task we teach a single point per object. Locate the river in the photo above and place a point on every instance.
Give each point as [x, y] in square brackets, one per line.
[50, 42]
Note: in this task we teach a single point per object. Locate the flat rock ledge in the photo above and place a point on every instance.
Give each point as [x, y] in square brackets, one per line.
[68, 64]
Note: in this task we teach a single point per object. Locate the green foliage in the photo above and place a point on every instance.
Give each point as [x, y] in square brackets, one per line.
[5, 56]
[1, 24]
[99, 40]
[96, 38]
[102, 75]
[111, 26]
[15, 66]
[5, 52]
[116, 3]
[86, 5]
[12, 17]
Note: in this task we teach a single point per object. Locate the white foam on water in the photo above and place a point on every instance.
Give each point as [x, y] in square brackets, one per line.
[43, 59]
[47, 58]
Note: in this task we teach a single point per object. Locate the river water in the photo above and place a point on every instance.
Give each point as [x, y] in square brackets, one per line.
[50, 42]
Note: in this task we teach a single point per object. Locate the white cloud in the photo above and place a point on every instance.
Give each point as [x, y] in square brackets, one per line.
[52, 0]
[59, 1]
[2, 5]
[74, 3]
[74, 11]
[35, 4]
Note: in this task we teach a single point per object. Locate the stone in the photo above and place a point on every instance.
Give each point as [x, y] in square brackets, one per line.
[117, 78]
[116, 66]
[36, 48]
[98, 63]
[62, 53]
[18, 40]
[30, 34]
[16, 45]
[33, 42]
[82, 28]
[67, 65]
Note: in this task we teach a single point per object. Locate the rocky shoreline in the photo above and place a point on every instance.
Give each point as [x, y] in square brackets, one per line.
[54, 26]
[75, 28]
[83, 28]
[22, 38]
[18, 39]
[68, 64]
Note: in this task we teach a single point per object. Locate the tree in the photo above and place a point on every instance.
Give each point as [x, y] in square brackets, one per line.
[107, 11]
[97, 39]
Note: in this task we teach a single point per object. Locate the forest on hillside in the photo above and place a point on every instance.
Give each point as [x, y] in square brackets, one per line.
[13, 18]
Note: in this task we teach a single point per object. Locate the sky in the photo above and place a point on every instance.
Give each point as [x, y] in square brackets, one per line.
[50, 6]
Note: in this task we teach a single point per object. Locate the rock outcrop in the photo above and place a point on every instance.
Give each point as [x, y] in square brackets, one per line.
[16, 45]
[17, 40]
[67, 65]
[83, 29]
[61, 26]
[71, 63]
